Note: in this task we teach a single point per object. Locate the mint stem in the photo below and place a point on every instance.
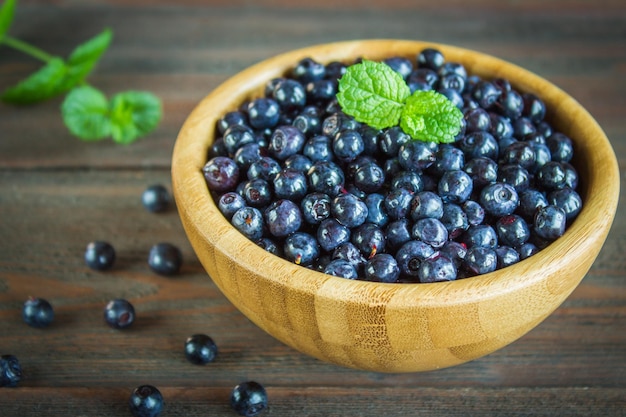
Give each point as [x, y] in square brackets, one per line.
[26, 48]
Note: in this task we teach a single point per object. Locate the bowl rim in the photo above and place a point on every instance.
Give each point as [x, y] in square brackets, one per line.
[196, 205]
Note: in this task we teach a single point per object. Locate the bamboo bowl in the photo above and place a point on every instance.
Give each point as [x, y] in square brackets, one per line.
[393, 327]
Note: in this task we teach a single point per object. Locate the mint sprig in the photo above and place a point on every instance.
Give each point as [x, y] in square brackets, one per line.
[86, 111]
[376, 95]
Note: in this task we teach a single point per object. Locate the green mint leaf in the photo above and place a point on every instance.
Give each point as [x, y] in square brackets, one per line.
[7, 12]
[84, 58]
[134, 114]
[429, 116]
[373, 93]
[85, 112]
[40, 85]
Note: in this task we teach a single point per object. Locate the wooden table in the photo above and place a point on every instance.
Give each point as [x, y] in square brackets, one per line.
[58, 193]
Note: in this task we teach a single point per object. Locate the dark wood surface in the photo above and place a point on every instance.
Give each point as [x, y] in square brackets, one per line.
[58, 193]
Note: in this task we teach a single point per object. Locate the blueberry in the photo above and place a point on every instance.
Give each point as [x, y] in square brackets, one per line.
[156, 198]
[510, 104]
[319, 148]
[119, 314]
[369, 239]
[422, 79]
[37, 312]
[561, 147]
[482, 235]
[437, 269]
[369, 177]
[549, 222]
[447, 158]
[568, 200]
[146, 401]
[320, 91]
[376, 213]
[382, 267]
[401, 65]
[289, 94]
[263, 113]
[410, 257]
[430, 58]
[326, 177]
[301, 248]
[248, 398]
[411, 180]
[264, 168]
[455, 251]
[349, 210]
[500, 126]
[534, 107]
[499, 199]
[454, 219]
[479, 144]
[527, 250]
[398, 232]
[348, 252]
[270, 245]
[341, 268]
[99, 255]
[398, 203]
[290, 183]
[426, 204]
[248, 221]
[522, 127]
[200, 349]
[516, 176]
[286, 141]
[331, 233]
[257, 192]
[10, 371]
[308, 124]
[335, 70]
[237, 136]
[452, 68]
[486, 94]
[477, 119]
[283, 217]
[298, 162]
[308, 69]
[416, 155]
[506, 256]
[512, 230]
[229, 203]
[431, 231]
[391, 139]
[454, 82]
[347, 145]
[165, 259]
[482, 170]
[315, 207]
[230, 119]
[221, 174]
[520, 153]
[455, 186]
[480, 260]
[552, 176]
[474, 212]
[529, 202]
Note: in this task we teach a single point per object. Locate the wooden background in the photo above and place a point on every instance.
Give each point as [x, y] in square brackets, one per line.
[58, 193]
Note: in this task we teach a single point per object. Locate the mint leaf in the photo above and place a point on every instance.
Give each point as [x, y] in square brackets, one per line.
[373, 93]
[134, 114]
[7, 12]
[40, 85]
[85, 112]
[84, 58]
[430, 116]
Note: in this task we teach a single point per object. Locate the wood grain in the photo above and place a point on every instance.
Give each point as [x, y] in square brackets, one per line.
[57, 193]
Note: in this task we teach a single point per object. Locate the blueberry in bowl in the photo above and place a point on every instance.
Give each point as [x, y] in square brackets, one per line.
[479, 241]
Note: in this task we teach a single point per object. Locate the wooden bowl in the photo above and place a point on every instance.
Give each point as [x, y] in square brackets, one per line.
[393, 327]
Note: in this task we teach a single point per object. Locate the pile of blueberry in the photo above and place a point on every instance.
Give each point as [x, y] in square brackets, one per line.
[302, 179]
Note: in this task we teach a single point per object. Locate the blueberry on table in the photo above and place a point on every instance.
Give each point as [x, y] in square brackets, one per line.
[200, 349]
[37, 312]
[156, 198]
[248, 398]
[146, 401]
[165, 259]
[10, 371]
[119, 314]
[99, 255]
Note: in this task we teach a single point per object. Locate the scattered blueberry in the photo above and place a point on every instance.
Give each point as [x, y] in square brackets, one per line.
[200, 349]
[119, 313]
[165, 259]
[146, 401]
[99, 255]
[10, 371]
[248, 398]
[37, 312]
[156, 198]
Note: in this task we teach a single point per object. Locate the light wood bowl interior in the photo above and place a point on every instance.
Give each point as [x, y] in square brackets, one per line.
[393, 327]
